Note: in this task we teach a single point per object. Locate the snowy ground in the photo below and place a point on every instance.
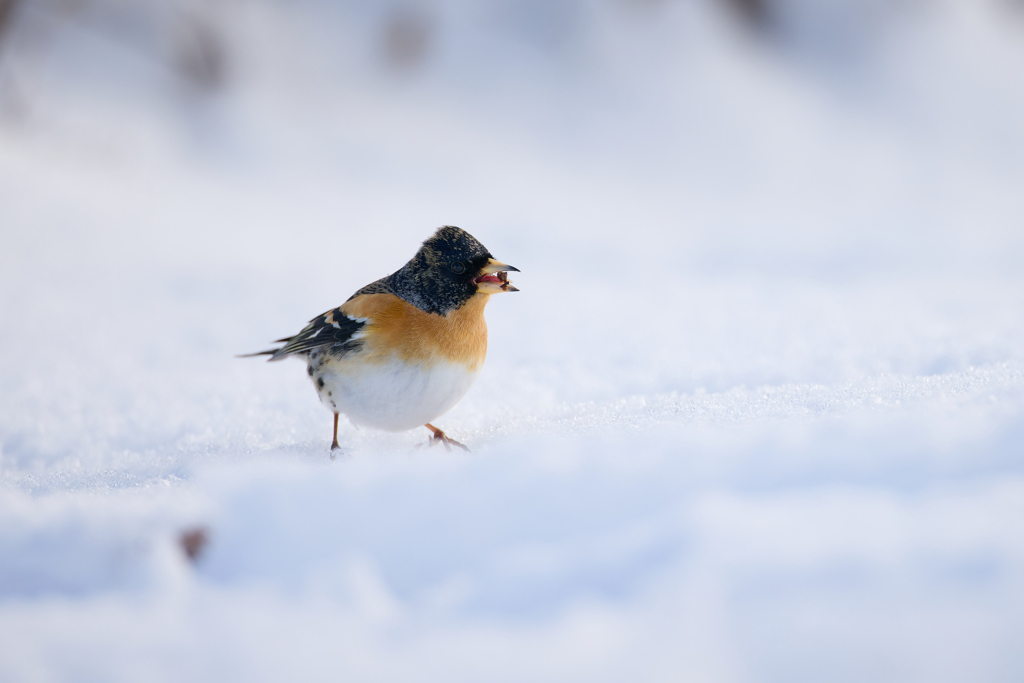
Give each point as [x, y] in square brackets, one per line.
[757, 413]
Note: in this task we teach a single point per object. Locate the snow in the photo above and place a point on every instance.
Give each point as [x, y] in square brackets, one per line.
[756, 414]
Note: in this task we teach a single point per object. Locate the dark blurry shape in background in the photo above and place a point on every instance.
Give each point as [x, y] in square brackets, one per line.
[407, 36]
[754, 13]
[6, 13]
[200, 51]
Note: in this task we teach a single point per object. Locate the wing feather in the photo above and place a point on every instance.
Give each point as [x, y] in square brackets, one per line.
[328, 329]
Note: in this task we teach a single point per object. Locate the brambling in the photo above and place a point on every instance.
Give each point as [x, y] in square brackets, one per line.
[405, 349]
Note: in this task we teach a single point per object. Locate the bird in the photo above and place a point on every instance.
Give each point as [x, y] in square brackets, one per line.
[403, 350]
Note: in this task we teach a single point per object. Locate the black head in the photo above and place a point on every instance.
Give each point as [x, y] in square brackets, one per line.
[442, 276]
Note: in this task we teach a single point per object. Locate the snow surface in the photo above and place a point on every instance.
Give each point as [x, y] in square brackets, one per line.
[757, 413]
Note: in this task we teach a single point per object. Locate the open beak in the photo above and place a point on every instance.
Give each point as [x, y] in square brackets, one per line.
[493, 278]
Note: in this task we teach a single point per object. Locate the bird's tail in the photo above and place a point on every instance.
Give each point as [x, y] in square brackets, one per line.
[268, 352]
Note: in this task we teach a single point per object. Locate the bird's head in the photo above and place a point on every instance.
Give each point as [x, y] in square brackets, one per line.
[449, 269]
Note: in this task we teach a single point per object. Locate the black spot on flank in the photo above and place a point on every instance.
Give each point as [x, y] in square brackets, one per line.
[310, 369]
[330, 394]
[320, 381]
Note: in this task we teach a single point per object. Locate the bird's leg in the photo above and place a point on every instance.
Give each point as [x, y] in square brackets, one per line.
[334, 444]
[441, 437]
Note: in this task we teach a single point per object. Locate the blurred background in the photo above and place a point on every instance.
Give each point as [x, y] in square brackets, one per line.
[261, 151]
[774, 136]
[755, 415]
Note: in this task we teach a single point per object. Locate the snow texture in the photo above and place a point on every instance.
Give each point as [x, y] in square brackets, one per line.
[756, 414]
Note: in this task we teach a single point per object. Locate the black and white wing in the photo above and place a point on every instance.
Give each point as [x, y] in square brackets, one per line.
[332, 328]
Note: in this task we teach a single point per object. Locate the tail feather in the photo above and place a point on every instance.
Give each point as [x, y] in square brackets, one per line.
[268, 352]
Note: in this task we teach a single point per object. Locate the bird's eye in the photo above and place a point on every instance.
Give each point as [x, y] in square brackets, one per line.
[458, 268]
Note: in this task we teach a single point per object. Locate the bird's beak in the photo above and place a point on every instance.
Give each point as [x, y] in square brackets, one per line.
[496, 267]
[493, 278]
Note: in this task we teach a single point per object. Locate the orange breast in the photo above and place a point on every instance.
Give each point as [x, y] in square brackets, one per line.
[397, 328]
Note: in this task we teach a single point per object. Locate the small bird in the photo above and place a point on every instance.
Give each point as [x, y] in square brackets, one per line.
[405, 349]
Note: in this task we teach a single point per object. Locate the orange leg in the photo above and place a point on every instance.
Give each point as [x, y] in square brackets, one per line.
[441, 437]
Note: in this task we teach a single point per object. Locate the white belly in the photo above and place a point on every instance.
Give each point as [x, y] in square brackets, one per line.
[393, 396]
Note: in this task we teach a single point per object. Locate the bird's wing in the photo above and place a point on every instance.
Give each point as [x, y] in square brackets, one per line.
[329, 329]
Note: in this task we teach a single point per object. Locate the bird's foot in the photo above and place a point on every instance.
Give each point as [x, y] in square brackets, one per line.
[439, 437]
